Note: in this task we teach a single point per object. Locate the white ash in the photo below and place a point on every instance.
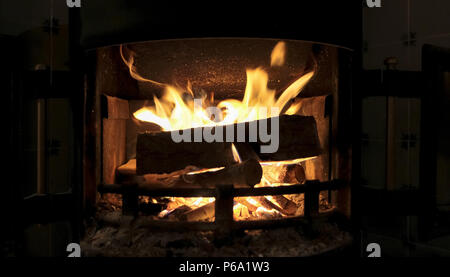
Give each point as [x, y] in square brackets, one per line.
[128, 241]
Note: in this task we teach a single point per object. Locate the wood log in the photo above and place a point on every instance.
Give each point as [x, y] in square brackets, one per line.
[178, 212]
[247, 173]
[266, 203]
[289, 174]
[156, 152]
[275, 173]
[202, 213]
[267, 214]
[297, 138]
[285, 206]
[173, 179]
[288, 206]
[242, 212]
[245, 202]
[126, 175]
[300, 174]
[246, 151]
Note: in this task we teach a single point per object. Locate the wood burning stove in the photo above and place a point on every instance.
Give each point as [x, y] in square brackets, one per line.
[195, 131]
[228, 184]
[118, 164]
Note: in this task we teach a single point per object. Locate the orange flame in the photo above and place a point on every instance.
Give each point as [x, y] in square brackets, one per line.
[173, 112]
[278, 54]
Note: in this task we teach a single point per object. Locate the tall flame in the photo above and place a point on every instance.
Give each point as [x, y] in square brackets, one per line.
[278, 54]
[175, 111]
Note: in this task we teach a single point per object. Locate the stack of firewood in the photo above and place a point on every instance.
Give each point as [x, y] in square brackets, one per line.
[162, 163]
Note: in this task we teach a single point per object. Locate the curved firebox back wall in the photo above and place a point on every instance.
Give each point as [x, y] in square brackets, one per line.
[219, 65]
[215, 65]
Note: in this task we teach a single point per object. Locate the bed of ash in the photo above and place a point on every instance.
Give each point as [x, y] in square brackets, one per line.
[129, 239]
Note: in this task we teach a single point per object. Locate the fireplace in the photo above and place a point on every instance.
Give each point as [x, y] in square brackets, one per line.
[159, 129]
[109, 151]
[216, 131]
[217, 134]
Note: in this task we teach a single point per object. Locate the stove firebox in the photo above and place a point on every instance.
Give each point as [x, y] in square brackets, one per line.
[139, 94]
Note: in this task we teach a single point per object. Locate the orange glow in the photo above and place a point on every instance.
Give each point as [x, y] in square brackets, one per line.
[174, 111]
[278, 54]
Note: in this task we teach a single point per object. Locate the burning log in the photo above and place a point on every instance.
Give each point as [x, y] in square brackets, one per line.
[241, 211]
[297, 137]
[288, 207]
[126, 174]
[177, 212]
[247, 173]
[173, 179]
[243, 201]
[276, 174]
[266, 203]
[285, 206]
[267, 214]
[202, 213]
[156, 152]
[291, 174]
[300, 174]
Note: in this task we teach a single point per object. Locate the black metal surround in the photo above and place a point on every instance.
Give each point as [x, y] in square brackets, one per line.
[107, 23]
[435, 61]
[309, 186]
